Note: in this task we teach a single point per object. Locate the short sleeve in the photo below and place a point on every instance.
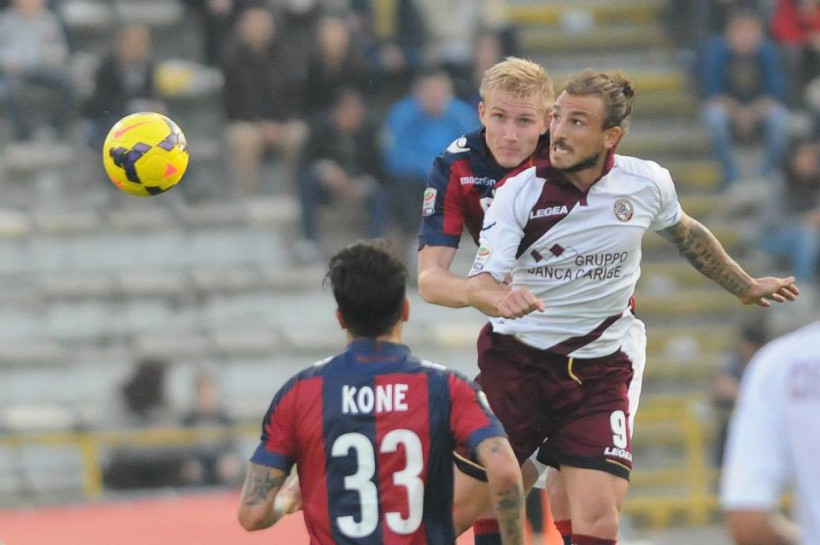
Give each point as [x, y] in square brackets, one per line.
[471, 419]
[669, 211]
[278, 439]
[442, 214]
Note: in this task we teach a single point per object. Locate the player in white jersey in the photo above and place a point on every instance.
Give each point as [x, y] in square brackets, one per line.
[774, 440]
[561, 361]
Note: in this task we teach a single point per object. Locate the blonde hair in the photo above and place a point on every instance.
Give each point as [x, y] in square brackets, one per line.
[523, 78]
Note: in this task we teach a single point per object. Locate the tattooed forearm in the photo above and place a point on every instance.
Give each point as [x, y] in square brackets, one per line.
[259, 484]
[509, 505]
[506, 488]
[700, 247]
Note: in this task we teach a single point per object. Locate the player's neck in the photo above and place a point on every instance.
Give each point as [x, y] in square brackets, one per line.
[393, 336]
[584, 179]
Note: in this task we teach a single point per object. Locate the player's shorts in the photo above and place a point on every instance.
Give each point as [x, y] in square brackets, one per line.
[577, 412]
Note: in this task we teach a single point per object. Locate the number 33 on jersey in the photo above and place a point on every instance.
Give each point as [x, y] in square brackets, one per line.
[372, 432]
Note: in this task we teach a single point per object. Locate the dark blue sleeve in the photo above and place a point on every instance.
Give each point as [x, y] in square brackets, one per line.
[711, 73]
[434, 214]
[774, 83]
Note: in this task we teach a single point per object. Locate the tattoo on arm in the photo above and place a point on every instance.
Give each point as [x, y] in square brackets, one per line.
[705, 253]
[508, 507]
[508, 501]
[259, 484]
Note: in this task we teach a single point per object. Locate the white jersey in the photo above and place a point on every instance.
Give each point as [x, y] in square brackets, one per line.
[774, 435]
[578, 252]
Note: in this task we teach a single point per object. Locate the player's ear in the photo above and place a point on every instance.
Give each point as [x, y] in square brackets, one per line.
[340, 319]
[547, 117]
[482, 111]
[405, 310]
[612, 136]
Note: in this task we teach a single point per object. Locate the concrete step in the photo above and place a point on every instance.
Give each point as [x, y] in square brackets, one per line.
[622, 37]
[688, 343]
[691, 305]
[703, 205]
[676, 273]
[697, 372]
[693, 174]
[684, 141]
[665, 105]
[563, 12]
[646, 80]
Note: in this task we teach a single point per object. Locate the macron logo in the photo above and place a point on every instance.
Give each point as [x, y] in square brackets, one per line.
[549, 211]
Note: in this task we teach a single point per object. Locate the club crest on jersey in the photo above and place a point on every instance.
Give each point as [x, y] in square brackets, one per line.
[481, 258]
[429, 204]
[623, 209]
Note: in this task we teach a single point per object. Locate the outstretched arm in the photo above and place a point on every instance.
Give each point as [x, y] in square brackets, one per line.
[705, 253]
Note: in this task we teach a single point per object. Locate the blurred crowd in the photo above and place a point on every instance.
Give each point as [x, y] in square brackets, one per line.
[354, 98]
[756, 67]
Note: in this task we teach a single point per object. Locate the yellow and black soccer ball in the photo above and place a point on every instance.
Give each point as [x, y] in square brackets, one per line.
[145, 154]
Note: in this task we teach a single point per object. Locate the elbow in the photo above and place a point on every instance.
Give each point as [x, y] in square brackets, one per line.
[252, 520]
[425, 289]
[505, 474]
[749, 527]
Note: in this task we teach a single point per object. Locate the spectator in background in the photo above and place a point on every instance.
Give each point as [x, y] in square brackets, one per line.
[417, 129]
[34, 52]
[340, 164]
[487, 51]
[454, 27]
[336, 62]
[726, 385]
[214, 462]
[794, 232]
[142, 404]
[743, 88]
[795, 27]
[298, 22]
[124, 83]
[391, 35]
[262, 94]
[216, 19]
[536, 513]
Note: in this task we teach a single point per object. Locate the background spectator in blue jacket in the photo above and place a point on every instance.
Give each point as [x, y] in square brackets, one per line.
[743, 87]
[418, 127]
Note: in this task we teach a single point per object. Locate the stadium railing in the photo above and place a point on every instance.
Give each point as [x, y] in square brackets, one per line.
[90, 444]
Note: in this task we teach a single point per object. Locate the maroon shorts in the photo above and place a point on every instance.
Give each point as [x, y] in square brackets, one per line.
[574, 411]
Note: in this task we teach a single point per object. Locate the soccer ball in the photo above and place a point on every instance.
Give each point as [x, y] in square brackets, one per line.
[145, 154]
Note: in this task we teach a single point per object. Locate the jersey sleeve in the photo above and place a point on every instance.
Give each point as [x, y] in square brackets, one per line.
[471, 419]
[443, 208]
[503, 227]
[278, 440]
[669, 212]
[755, 468]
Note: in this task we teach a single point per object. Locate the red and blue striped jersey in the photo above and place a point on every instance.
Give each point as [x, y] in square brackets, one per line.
[372, 432]
[462, 185]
